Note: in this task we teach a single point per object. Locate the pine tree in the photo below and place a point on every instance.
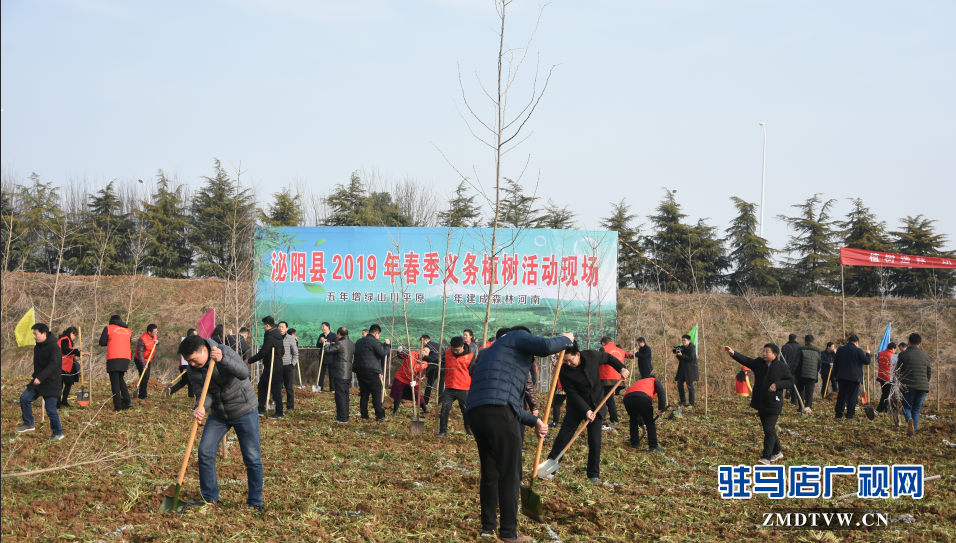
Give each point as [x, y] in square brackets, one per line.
[12, 233]
[629, 263]
[750, 255]
[354, 206]
[223, 216]
[517, 209]
[41, 216]
[286, 210]
[706, 259]
[168, 251]
[557, 218]
[462, 210]
[676, 246]
[102, 237]
[815, 263]
[861, 230]
[918, 237]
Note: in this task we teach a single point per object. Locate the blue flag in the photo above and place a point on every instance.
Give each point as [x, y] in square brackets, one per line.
[885, 342]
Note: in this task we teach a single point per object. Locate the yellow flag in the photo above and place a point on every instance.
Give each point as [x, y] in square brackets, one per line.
[24, 330]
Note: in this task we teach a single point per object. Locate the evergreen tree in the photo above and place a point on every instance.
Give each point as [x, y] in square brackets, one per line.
[286, 210]
[355, 206]
[750, 255]
[557, 218]
[41, 216]
[861, 230]
[102, 236]
[815, 263]
[706, 259]
[516, 209]
[223, 217]
[12, 233]
[630, 264]
[462, 210]
[675, 246]
[168, 251]
[918, 237]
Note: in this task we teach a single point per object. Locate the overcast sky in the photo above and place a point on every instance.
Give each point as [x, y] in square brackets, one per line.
[858, 97]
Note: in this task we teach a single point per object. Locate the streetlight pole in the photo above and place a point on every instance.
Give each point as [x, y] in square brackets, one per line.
[763, 175]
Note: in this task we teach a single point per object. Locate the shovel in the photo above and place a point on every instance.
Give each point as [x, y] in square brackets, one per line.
[316, 387]
[530, 500]
[299, 369]
[83, 396]
[171, 501]
[868, 409]
[418, 425]
[169, 387]
[547, 469]
[644, 430]
[145, 369]
[269, 390]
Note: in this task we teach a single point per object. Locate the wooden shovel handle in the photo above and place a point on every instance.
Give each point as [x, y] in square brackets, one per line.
[192, 433]
[596, 409]
[272, 363]
[146, 366]
[318, 378]
[547, 413]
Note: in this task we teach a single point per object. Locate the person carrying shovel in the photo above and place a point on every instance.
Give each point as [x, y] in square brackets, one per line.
[494, 413]
[581, 379]
[144, 354]
[231, 403]
[271, 356]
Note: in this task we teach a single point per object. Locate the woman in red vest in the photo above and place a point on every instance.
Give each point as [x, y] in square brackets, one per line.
[639, 403]
[145, 346]
[118, 340]
[70, 366]
[407, 377]
[610, 376]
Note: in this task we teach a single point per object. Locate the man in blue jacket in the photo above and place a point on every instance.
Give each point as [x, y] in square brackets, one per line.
[494, 413]
[848, 365]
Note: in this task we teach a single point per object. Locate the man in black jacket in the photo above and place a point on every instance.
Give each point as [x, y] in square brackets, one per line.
[240, 344]
[644, 364]
[47, 362]
[805, 372]
[771, 377]
[369, 364]
[848, 365]
[686, 370]
[432, 377]
[581, 381]
[789, 354]
[327, 336]
[231, 403]
[271, 351]
[339, 357]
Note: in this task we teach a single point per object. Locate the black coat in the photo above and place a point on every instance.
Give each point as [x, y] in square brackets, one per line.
[339, 357]
[47, 365]
[644, 365]
[789, 354]
[777, 373]
[369, 355]
[848, 363]
[271, 342]
[914, 369]
[687, 364]
[583, 383]
[114, 364]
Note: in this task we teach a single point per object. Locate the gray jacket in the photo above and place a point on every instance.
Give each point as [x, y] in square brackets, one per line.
[290, 350]
[339, 356]
[914, 370]
[230, 395]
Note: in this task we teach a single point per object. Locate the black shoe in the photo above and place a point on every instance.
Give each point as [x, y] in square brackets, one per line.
[553, 425]
[380, 420]
[654, 449]
[682, 404]
[469, 432]
[442, 434]
[277, 417]
[257, 509]
[425, 409]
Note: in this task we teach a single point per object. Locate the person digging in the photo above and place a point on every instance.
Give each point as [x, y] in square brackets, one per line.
[639, 403]
[231, 403]
[581, 381]
[771, 377]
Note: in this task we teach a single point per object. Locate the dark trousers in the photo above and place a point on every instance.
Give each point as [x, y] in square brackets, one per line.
[370, 384]
[805, 386]
[141, 394]
[690, 390]
[570, 425]
[824, 388]
[67, 386]
[183, 382]
[276, 394]
[556, 406]
[640, 410]
[771, 444]
[447, 399]
[434, 378]
[847, 397]
[611, 405]
[885, 387]
[121, 399]
[341, 388]
[498, 436]
[288, 382]
[325, 370]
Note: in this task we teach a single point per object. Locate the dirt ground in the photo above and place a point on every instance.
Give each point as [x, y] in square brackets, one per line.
[367, 481]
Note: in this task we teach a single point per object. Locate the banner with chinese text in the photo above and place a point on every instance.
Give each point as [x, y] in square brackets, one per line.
[561, 280]
[861, 257]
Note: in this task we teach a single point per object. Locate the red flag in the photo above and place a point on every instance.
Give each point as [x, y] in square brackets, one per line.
[207, 324]
[860, 257]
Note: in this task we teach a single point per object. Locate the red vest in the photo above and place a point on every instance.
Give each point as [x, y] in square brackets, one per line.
[118, 344]
[412, 365]
[607, 372]
[456, 370]
[150, 346]
[644, 385]
[67, 358]
[743, 383]
[884, 359]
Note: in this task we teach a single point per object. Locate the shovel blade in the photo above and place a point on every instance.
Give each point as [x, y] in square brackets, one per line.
[418, 428]
[172, 503]
[547, 469]
[83, 397]
[531, 505]
[870, 414]
[316, 389]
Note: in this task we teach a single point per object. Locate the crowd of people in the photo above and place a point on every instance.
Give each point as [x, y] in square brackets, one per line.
[493, 382]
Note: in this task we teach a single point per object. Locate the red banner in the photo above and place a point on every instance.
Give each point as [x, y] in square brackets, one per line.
[860, 257]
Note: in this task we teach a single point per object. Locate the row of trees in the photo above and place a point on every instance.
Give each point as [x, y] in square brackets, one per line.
[174, 233]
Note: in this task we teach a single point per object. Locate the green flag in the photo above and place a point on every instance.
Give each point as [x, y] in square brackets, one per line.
[693, 335]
